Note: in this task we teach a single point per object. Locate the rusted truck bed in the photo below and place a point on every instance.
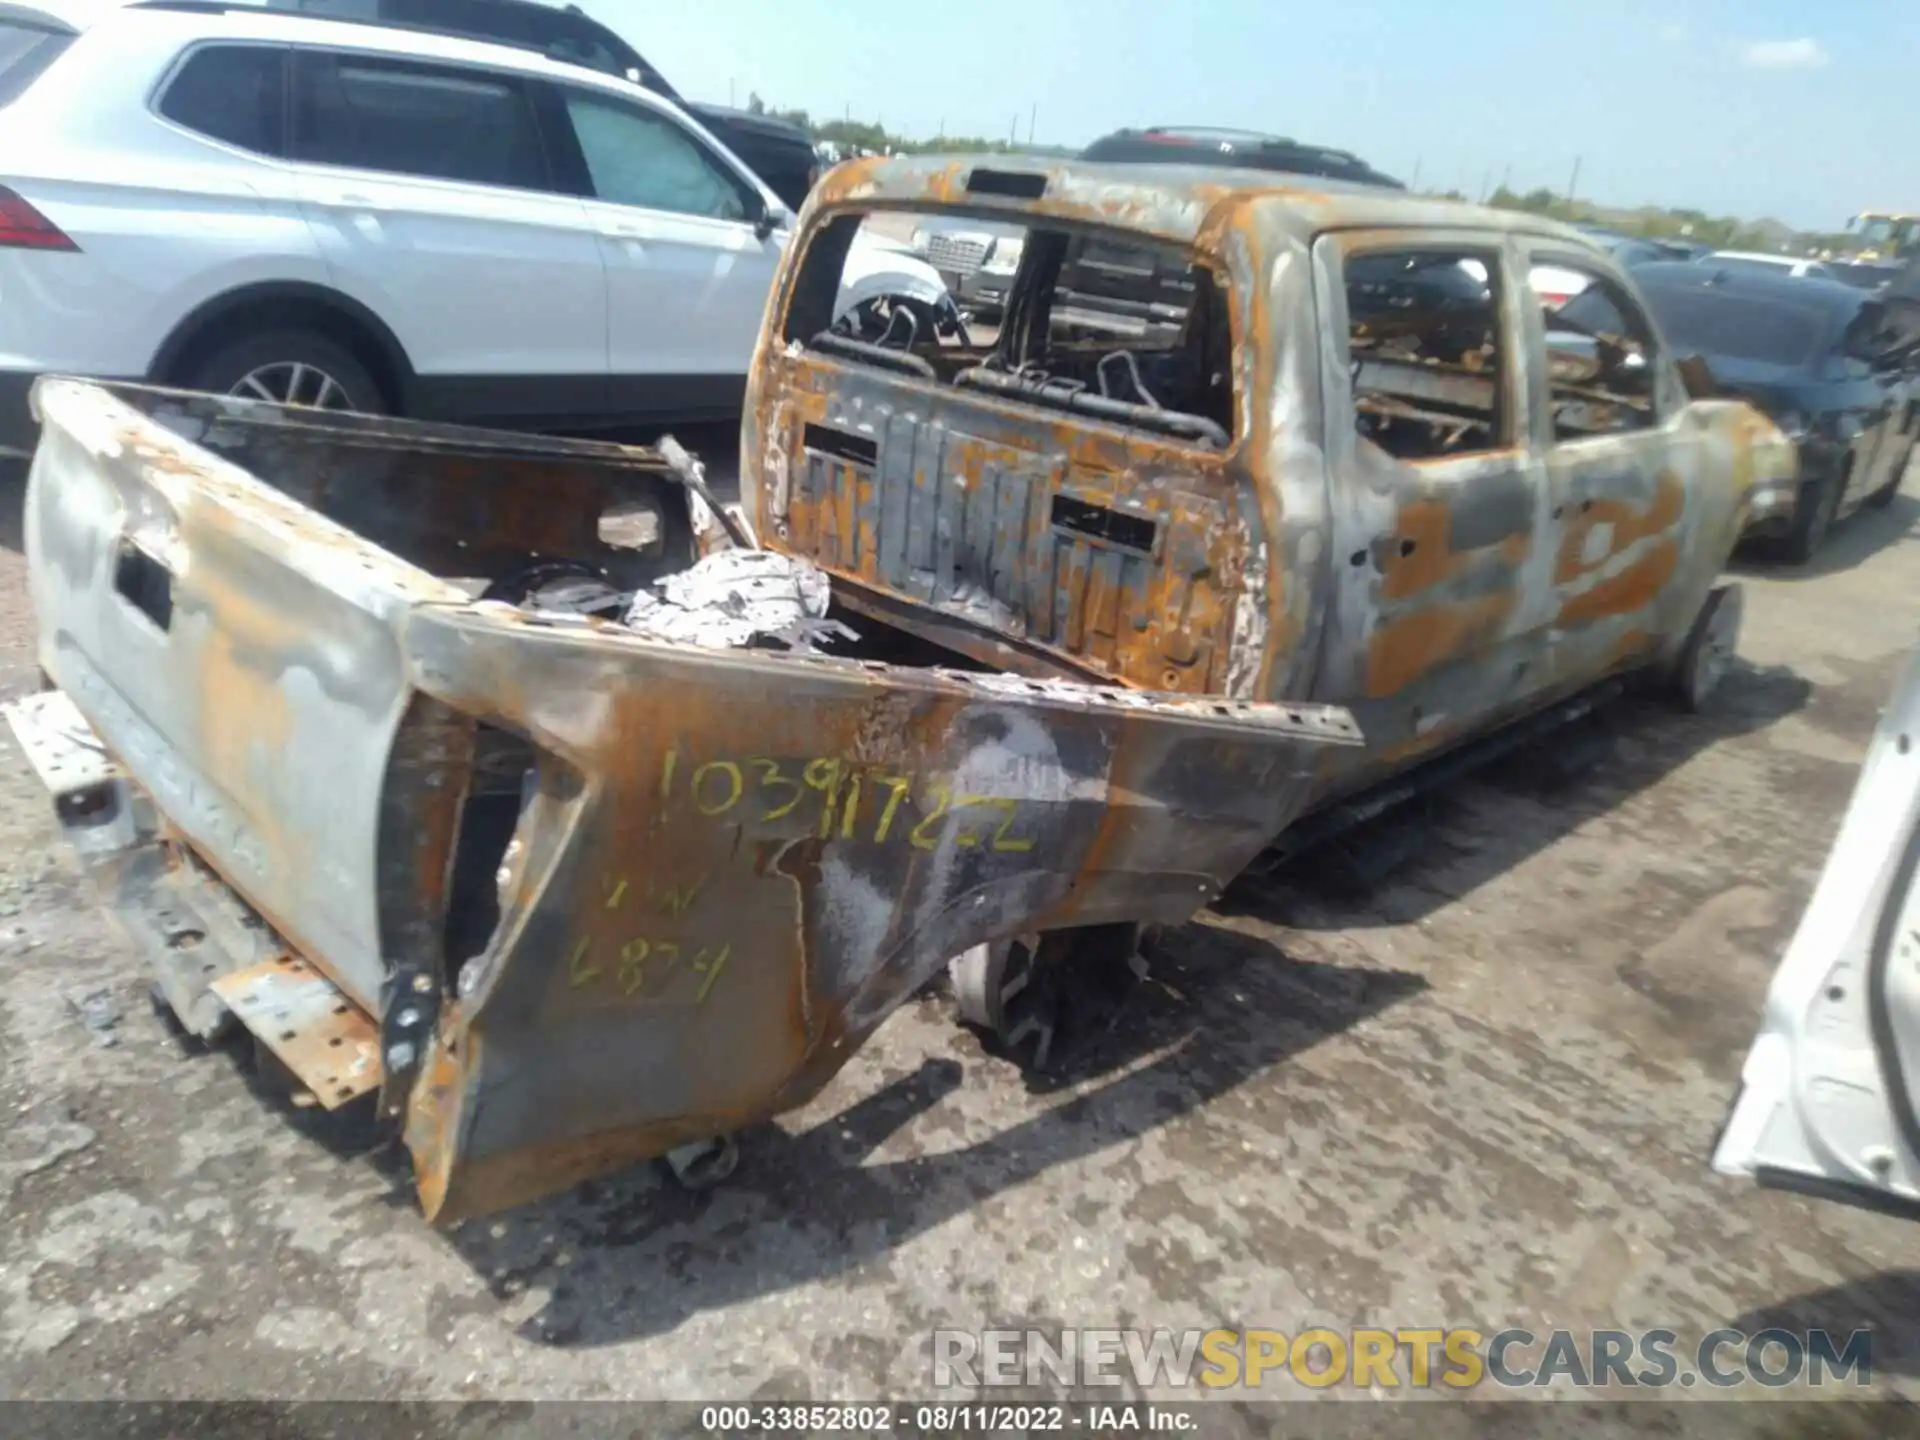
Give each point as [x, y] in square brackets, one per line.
[565, 895]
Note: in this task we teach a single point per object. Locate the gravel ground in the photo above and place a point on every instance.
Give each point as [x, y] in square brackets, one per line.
[1481, 1094]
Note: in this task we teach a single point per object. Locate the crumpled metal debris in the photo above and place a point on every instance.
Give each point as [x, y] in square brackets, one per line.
[739, 598]
[561, 587]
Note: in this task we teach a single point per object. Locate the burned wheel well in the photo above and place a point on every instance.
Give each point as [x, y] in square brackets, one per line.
[287, 306]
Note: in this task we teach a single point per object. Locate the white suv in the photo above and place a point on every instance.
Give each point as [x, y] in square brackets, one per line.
[370, 218]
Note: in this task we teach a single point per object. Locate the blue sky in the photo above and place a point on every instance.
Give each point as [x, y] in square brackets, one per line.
[1803, 111]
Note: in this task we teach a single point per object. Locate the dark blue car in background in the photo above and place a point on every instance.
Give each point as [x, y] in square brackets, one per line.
[1781, 343]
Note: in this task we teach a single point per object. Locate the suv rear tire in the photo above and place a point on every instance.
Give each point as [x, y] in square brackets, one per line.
[1883, 497]
[1813, 516]
[290, 367]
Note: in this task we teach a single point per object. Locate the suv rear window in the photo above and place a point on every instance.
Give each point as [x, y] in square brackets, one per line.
[434, 121]
[25, 52]
[1736, 327]
[235, 93]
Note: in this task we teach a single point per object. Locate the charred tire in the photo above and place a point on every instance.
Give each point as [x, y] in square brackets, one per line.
[1813, 516]
[1001, 988]
[1709, 652]
[299, 367]
[1033, 992]
[703, 1164]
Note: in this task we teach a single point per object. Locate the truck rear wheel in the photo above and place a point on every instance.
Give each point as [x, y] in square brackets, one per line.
[1029, 991]
[999, 989]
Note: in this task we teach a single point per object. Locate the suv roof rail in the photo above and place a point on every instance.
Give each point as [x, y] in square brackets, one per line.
[1215, 132]
[191, 7]
[1252, 138]
[293, 12]
[649, 77]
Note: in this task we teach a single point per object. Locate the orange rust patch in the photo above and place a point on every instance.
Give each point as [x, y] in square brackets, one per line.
[1632, 590]
[1629, 526]
[1071, 601]
[1403, 651]
[1418, 556]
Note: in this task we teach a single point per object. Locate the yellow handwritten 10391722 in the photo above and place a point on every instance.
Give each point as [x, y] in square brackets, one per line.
[846, 802]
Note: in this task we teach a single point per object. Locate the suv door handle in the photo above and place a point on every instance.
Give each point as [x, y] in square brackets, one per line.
[351, 200]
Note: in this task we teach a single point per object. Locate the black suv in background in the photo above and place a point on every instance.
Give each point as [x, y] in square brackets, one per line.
[1242, 149]
[781, 154]
[1792, 347]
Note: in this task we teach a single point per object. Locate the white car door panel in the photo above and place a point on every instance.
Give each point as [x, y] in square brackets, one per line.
[689, 268]
[1828, 1100]
[471, 282]
[685, 294]
[424, 187]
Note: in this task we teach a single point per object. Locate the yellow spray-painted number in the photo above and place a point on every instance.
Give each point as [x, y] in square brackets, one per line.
[647, 967]
[672, 898]
[854, 803]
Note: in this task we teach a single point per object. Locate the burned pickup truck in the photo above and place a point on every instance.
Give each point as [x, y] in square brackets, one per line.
[1349, 458]
[503, 777]
[1339, 451]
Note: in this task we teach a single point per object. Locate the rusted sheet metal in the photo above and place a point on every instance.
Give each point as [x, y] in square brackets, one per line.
[211, 626]
[595, 894]
[1181, 203]
[736, 865]
[1114, 557]
[330, 1045]
[1434, 597]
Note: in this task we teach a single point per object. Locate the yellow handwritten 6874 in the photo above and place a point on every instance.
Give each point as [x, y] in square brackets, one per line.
[846, 802]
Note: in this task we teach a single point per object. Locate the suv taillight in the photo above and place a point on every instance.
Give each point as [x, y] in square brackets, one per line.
[24, 228]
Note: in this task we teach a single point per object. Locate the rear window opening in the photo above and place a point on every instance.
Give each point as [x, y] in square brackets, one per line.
[1600, 369]
[1424, 352]
[1114, 326]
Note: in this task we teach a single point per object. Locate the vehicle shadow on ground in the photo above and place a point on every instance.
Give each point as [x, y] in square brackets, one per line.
[1441, 847]
[635, 1255]
[1852, 542]
[1884, 1303]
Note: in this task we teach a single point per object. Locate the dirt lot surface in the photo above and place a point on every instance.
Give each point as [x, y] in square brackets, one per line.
[1482, 1093]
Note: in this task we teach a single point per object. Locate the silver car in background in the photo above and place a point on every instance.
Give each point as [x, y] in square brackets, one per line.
[976, 260]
